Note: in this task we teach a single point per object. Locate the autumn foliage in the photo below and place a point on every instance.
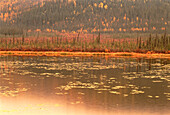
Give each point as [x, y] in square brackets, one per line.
[96, 43]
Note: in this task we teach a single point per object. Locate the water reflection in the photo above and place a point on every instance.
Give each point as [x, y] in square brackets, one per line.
[94, 84]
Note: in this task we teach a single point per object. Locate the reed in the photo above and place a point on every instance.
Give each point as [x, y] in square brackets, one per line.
[152, 43]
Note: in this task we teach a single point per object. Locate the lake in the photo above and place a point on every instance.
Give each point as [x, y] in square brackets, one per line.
[84, 85]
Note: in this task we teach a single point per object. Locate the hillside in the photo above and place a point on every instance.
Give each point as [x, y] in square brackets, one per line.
[10, 9]
[90, 15]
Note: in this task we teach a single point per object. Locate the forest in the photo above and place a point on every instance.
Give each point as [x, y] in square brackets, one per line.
[89, 16]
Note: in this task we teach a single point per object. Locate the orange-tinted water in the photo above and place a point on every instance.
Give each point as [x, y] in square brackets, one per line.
[84, 85]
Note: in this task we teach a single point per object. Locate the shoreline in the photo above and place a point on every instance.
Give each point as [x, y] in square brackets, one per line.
[85, 54]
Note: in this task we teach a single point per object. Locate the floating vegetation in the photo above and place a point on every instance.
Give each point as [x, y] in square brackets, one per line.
[157, 81]
[81, 79]
[115, 92]
[78, 85]
[118, 87]
[81, 93]
[167, 95]
[156, 96]
[125, 95]
[136, 92]
[150, 96]
[13, 93]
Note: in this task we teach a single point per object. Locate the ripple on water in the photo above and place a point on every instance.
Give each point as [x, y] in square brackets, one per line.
[116, 81]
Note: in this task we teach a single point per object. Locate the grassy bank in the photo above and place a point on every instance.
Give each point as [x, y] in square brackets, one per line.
[151, 44]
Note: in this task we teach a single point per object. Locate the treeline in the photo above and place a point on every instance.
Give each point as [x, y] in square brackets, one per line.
[97, 15]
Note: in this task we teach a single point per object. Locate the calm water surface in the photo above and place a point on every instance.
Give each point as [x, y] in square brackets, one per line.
[84, 85]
